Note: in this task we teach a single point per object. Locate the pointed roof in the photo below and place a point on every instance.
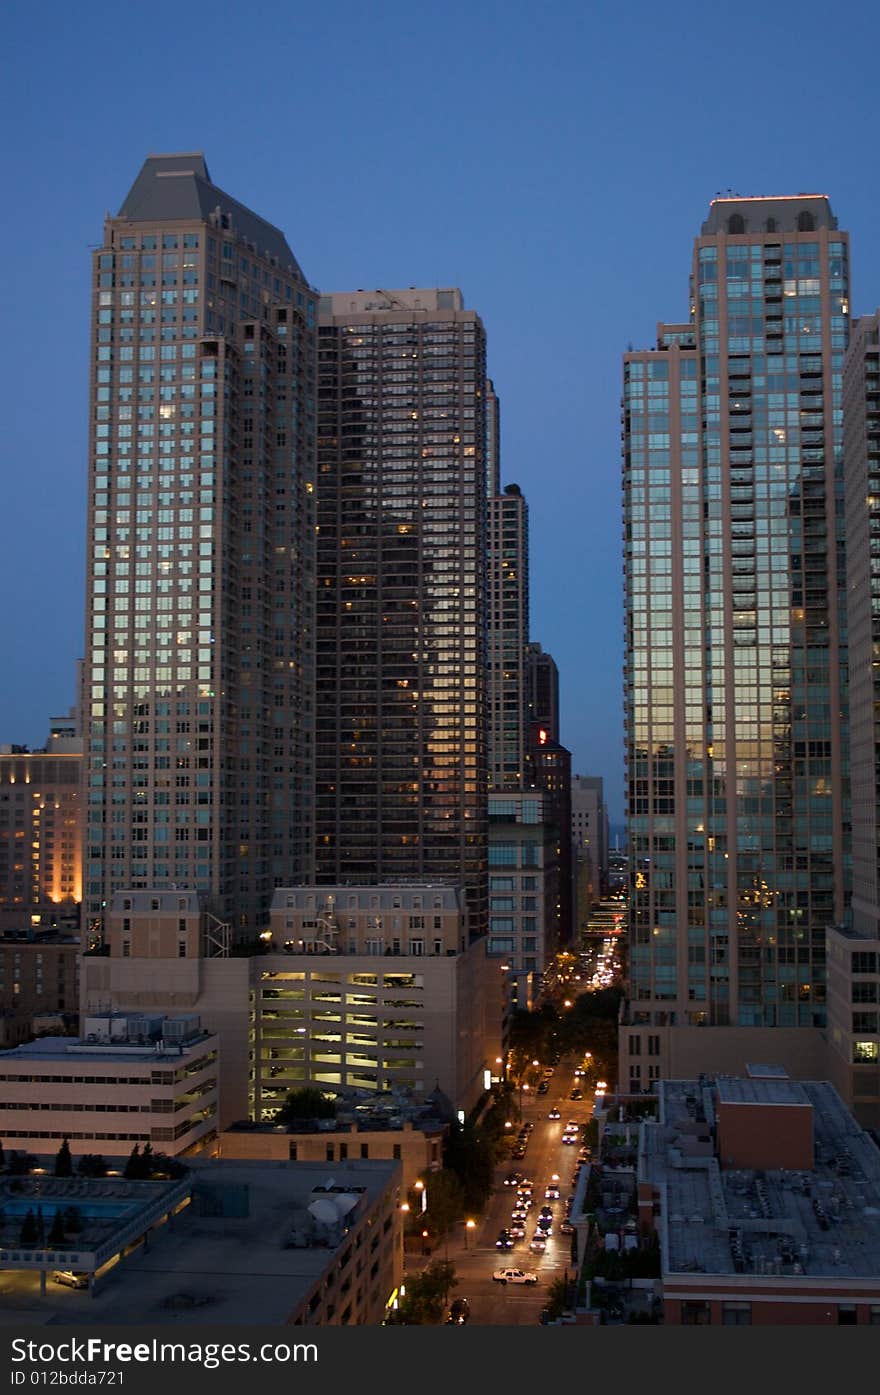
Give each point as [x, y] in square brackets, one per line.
[178, 187]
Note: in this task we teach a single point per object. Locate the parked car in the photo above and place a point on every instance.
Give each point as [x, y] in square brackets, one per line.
[70, 1279]
[514, 1276]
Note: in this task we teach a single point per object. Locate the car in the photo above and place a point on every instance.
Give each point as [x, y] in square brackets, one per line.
[518, 1153]
[545, 1226]
[518, 1232]
[459, 1312]
[519, 1214]
[551, 1193]
[554, 1114]
[543, 1088]
[538, 1245]
[546, 1210]
[514, 1276]
[70, 1278]
[573, 1126]
[504, 1241]
[569, 1138]
[566, 1228]
[513, 1179]
[576, 1095]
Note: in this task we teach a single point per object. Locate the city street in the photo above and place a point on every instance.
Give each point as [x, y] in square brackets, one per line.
[475, 1256]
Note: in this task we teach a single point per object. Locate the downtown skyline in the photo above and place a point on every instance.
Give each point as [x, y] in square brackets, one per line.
[565, 233]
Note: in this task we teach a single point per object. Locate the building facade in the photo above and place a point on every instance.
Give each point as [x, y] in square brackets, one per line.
[508, 574]
[861, 419]
[41, 835]
[401, 612]
[737, 775]
[198, 675]
[524, 875]
[125, 1081]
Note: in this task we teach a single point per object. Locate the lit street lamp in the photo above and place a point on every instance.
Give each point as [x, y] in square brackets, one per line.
[468, 1227]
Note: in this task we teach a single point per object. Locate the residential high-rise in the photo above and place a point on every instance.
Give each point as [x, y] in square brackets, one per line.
[508, 571]
[735, 641]
[41, 833]
[401, 613]
[199, 673]
[861, 416]
[542, 689]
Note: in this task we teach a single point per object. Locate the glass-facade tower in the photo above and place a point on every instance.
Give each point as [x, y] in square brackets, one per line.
[199, 668]
[735, 631]
[401, 601]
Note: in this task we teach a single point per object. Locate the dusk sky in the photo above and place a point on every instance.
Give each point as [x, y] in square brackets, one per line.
[554, 160]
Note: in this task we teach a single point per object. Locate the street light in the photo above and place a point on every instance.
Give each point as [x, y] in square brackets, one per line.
[468, 1227]
[420, 1187]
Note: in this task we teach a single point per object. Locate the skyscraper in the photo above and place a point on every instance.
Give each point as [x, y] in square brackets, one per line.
[862, 453]
[508, 572]
[401, 613]
[735, 638]
[198, 709]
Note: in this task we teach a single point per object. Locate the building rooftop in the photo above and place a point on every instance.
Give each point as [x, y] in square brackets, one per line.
[783, 210]
[718, 1220]
[177, 187]
[248, 1249]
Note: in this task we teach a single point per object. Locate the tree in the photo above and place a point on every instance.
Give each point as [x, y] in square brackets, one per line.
[446, 1203]
[133, 1168]
[72, 1220]
[56, 1230]
[63, 1160]
[28, 1232]
[308, 1103]
[92, 1165]
[427, 1294]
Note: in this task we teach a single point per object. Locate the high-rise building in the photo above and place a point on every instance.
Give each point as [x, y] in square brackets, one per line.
[401, 616]
[198, 712]
[41, 832]
[508, 572]
[735, 642]
[861, 416]
[542, 689]
[589, 832]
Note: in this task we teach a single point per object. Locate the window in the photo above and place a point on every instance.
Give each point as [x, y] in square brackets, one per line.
[291, 1152]
[695, 1314]
[736, 1314]
[806, 222]
[736, 224]
[847, 1316]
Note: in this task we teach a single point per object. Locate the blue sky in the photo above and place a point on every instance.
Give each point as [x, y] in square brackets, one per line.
[553, 159]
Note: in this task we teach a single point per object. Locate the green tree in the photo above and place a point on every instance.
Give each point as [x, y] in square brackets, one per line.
[56, 1230]
[63, 1160]
[133, 1168]
[28, 1232]
[72, 1220]
[308, 1103]
[427, 1294]
[92, 1165]
[446, 1204]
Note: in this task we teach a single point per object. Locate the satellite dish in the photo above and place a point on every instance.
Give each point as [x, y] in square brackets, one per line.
[324, 1211]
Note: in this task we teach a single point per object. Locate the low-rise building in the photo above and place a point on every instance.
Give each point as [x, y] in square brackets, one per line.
[764, 1193]
[229, 1243]
[393, 1130]
[125, 1081]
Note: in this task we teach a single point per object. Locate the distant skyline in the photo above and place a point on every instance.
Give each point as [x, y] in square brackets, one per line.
[554, 162]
